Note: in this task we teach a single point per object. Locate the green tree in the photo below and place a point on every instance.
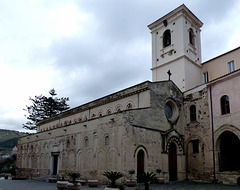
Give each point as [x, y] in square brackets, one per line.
[8, 165]
[44, 107]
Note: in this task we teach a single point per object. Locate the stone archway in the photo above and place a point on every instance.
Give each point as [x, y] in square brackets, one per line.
[140, 163]
[228, 152]
[54, 167]
[176, 157]
[141, 156]
[172, 161]
[195, 157]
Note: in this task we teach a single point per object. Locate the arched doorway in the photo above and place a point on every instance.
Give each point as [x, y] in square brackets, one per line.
[140, 163]
[54, 167]
[195, 157]
[229, 154]
[172, 162]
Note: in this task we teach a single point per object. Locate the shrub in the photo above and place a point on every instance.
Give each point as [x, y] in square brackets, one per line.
[113, 177]
[158, 171]
[63, 176]
[131, 172]
[147, 178]
[74, 176]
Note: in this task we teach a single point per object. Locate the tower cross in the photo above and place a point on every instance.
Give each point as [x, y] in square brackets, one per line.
[169, 74]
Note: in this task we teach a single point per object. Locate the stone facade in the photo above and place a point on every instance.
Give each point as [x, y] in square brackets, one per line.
[198, 135]
[110, 142]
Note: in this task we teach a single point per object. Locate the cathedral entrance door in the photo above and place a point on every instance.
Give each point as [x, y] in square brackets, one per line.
[140, 163]
[54, 164]
[172, 162]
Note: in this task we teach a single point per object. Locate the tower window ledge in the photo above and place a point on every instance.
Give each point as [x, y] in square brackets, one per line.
[169, 52]
[192, 46]
[225, 115]
[166, 49]
[192, 50]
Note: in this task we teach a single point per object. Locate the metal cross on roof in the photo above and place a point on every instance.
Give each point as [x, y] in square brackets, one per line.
[169, 74]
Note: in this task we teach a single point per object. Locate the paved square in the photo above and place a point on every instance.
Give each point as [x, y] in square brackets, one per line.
[38, 185]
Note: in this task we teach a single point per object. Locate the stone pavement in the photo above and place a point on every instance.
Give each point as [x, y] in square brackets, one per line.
[38, 185]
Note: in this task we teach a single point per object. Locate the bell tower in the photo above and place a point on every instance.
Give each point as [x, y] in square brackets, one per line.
[176, 46]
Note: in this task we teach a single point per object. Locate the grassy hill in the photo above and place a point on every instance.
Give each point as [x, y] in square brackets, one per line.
[8, 139]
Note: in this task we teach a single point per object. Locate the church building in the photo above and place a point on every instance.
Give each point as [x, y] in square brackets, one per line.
[185, 122]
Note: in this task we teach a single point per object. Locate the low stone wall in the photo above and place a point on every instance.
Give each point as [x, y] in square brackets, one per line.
[32, 173]
[228, 177]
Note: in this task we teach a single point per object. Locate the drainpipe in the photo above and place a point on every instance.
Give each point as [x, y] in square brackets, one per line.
[213, 144]
[137, 100]
[59, 122]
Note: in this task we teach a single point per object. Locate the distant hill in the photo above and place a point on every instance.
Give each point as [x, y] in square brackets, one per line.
[8, 139]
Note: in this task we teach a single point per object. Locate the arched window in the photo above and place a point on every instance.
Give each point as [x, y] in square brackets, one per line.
[225, 104]
[107, 142]
[68, 144]
[95, 139]
[118, 108]
[191, 37]
[193, 113]
[166, 38]
[171, 111]
[195, 146]
[109, 111]
[86, 142]
[129, 106]
[85, 118]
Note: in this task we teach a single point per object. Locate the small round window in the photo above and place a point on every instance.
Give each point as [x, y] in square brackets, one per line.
[171, 111]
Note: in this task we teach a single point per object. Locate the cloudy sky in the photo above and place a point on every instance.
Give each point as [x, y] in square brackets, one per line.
[86, 49]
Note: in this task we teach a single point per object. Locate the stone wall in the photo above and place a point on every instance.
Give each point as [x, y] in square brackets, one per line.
[118, 154]
[199, 162]
[110, 142]
[130, 98]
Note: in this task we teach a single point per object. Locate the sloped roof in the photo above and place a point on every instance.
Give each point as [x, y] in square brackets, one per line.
[221, 55]
[182, 8]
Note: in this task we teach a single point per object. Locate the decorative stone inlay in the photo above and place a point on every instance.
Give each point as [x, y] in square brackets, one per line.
[177, 141]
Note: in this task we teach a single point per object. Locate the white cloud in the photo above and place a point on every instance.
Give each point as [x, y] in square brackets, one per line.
[233, 30]
[65, 20]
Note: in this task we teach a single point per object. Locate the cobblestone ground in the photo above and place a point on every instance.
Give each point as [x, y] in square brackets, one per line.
[37, 185]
